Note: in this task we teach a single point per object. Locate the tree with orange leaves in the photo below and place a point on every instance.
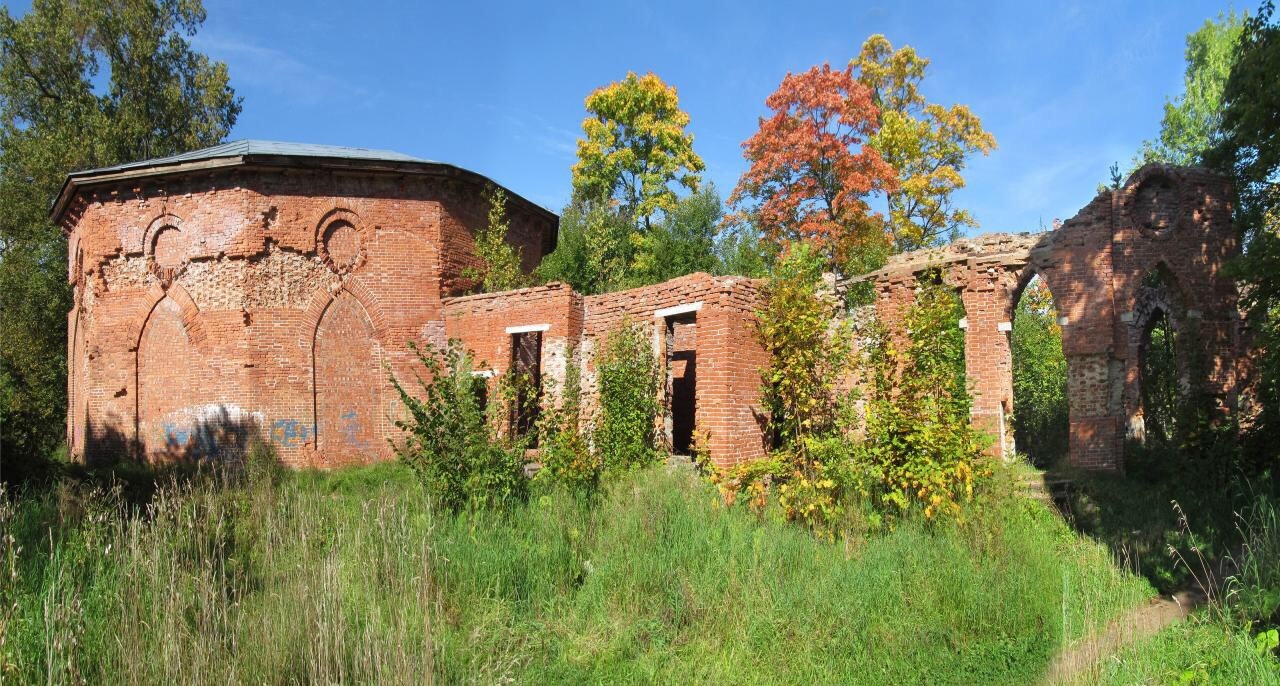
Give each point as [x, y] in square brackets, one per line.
[811, 170]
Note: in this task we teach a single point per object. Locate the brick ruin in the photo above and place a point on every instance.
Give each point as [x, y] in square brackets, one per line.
[272, 289]
[1166, 221]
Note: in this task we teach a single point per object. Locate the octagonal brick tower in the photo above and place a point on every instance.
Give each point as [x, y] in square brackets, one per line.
[260, 287]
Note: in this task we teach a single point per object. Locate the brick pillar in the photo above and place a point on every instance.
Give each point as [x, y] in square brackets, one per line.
[989, 364]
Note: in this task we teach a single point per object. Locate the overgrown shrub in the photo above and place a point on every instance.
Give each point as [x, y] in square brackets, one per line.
[807, 351]
[918, 438]
[566, 456]
[809, 414]
[450, 440]
[626, 435]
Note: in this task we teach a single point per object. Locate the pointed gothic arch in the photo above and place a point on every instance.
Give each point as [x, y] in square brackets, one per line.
[347, 380]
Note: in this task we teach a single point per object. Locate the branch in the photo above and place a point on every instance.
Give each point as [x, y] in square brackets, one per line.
[30, 73]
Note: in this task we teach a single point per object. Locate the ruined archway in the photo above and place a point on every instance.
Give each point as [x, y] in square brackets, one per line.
[1039, 407]
[1162, 374]
[1167, 221]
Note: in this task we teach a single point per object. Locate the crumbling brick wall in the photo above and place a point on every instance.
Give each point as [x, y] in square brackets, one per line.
[217, 305]
[715, 313]
[1175, 220]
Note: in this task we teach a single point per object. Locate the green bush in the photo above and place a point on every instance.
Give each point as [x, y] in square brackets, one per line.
[451, 441]
[567, 459]
[918, 436]
[626, 436]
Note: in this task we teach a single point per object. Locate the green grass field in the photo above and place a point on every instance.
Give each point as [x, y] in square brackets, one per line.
[350, 577]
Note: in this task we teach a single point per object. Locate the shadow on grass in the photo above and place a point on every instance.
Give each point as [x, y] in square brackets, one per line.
[1176, 515]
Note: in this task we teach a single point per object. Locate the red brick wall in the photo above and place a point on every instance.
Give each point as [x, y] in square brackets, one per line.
[1177, 220]
[292, 287]
[729, 359]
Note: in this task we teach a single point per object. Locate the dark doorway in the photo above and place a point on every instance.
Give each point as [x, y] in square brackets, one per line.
[682, 381]
[526, 378]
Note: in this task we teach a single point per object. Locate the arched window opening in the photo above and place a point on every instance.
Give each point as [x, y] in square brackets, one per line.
[1160, 378]
[1162, 374]
[1040, 410]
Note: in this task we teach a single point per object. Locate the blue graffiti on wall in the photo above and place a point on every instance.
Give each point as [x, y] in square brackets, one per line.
[199, 442]
[291, 433]
[351, 430]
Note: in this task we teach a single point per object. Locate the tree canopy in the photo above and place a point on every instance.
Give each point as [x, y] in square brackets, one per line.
[811, 171]
[1191, 120]
[635, 146]
[928, 144]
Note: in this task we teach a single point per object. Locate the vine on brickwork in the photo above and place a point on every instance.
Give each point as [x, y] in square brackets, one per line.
[626, 436]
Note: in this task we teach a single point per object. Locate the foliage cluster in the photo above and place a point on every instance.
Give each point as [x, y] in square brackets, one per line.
[915, 447]
[628, 376]
[810, 413]
[918, 433]
[501, 271]
[451, 438]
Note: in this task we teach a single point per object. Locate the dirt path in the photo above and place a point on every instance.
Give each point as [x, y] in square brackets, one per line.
[1079, 663]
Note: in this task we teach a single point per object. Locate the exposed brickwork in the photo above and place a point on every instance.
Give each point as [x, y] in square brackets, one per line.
[1174, 220]
[727, 403]
[215, 304]
[274, 298]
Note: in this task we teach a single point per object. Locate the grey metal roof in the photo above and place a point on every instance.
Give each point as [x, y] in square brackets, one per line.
[255, 147]
[271, 153]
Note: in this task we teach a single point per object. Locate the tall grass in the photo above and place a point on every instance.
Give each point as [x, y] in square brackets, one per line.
[219, 583]
[348, 577]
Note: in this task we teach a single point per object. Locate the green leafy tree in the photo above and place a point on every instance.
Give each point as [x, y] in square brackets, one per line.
[594, 250]
[635, 147]
[1248, 148]
[1191, 120]
[741, 250]
[928, 144]
[82, 84]
[501, 259]
[683, 243]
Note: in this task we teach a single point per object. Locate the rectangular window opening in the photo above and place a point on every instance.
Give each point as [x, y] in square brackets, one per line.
[526, 375]
[681, 366]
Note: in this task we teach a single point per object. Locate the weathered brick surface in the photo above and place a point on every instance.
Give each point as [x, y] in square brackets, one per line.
[1175, 220]
[722, 339]
[213, 305]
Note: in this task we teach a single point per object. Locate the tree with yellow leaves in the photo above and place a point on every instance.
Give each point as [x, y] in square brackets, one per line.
[926, 143]
[635, 146]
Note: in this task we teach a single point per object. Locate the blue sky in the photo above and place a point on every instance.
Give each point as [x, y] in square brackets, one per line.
[498, 87]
